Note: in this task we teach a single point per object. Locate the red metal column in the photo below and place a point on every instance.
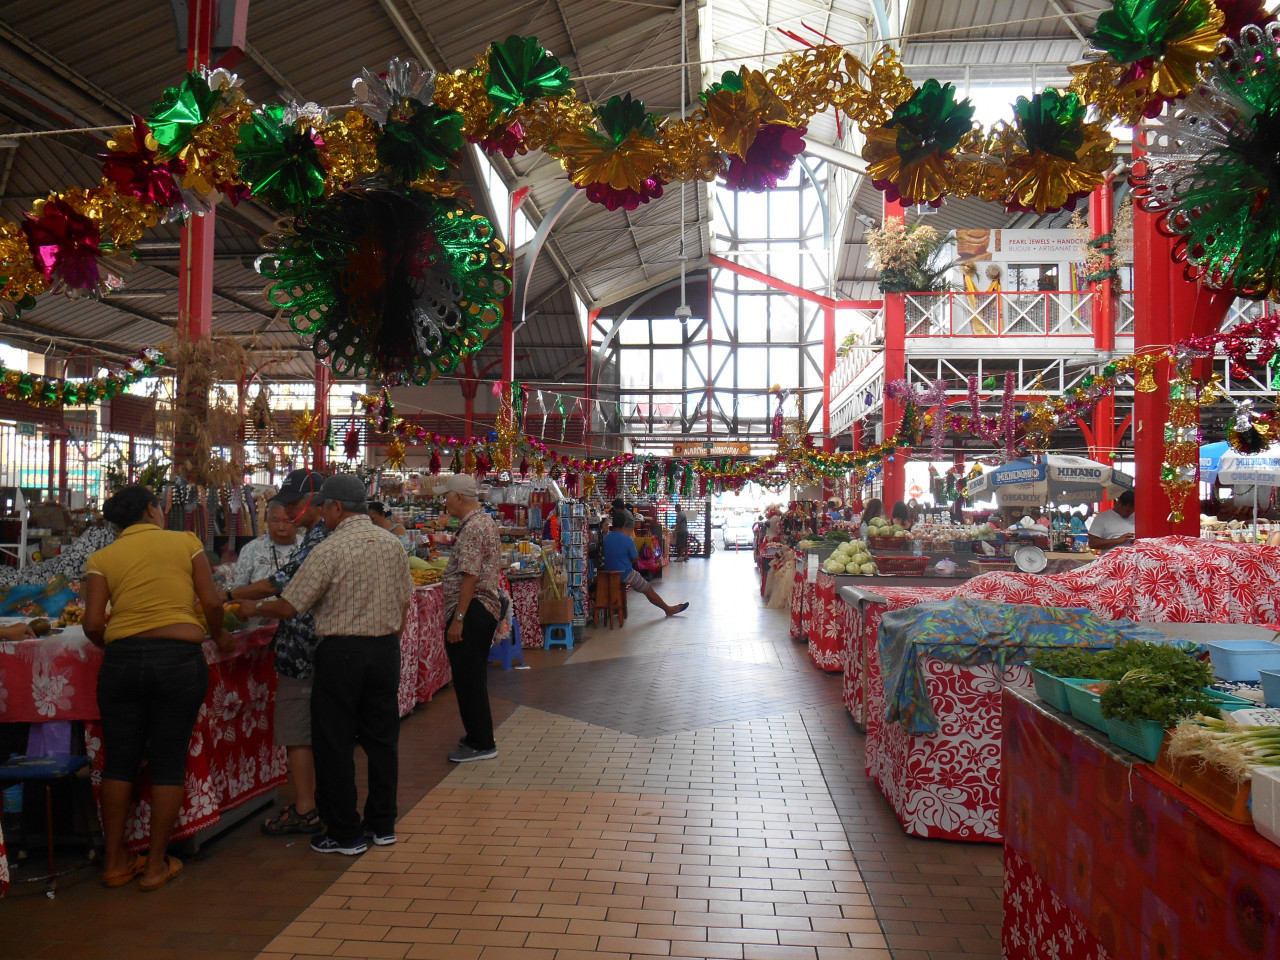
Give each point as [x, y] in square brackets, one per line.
[1102, 221]
[587, 385]
[828, 368]
[320, 449]
[895, 368]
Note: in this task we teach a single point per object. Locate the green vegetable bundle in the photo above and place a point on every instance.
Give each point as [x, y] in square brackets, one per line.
[1227, 745]
[1088, 664]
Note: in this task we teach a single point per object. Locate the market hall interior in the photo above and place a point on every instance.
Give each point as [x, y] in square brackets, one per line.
[679, 787]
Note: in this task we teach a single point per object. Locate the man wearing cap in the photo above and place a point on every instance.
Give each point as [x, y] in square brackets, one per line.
[357, 584]
[294, 645]
[473, 605]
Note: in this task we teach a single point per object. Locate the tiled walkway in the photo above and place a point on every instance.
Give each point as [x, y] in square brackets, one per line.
[688, 787]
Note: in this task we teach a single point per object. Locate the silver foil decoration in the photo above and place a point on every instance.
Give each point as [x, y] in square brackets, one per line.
[392, 94]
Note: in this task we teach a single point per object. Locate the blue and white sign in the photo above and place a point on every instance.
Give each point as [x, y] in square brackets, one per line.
[1052, 478]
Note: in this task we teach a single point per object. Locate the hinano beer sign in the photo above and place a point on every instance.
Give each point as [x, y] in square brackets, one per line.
[725, 448]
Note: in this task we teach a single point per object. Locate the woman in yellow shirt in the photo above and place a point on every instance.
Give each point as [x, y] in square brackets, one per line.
[154, 675]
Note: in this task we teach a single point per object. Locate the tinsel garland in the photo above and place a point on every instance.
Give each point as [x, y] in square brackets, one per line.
[52, 392]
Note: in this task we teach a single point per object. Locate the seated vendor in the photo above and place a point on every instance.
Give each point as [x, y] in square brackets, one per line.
[1114, 527]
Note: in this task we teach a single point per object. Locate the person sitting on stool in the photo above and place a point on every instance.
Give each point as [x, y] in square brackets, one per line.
[620, 554]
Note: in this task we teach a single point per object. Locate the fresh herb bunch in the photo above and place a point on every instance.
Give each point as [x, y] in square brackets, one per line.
[1165, 698]
[1085, 664]
[1076, 662]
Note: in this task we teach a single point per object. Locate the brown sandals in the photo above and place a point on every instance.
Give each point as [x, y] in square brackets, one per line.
[291, 821]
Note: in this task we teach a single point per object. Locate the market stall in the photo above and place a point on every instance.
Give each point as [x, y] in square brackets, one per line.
[233, 760]
[1104, 857]
[946, 783]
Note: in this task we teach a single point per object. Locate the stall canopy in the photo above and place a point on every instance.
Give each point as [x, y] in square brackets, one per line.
[1210, 460]
[1052, 478]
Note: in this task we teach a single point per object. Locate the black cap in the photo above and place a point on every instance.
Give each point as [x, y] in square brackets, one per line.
[298, 485]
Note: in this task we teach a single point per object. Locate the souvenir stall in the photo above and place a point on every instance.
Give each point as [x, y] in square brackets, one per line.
[945, 782]
[233, 763]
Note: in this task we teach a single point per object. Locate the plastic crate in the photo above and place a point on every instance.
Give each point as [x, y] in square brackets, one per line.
[1001, 565]
[889, 544]
[902, 566]
[1051, 690]
[1086, 706]
[1242, 660]
[1142, 737]
[1265, 805]
[1271, 687]
[1209, 785]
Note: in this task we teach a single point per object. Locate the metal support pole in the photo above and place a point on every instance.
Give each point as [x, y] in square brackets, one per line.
[320, 448]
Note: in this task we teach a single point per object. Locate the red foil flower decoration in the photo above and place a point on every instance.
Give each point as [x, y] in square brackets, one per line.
[434, 463]
[65, 245]
[626, 198]
[768, 159]
[133, 168]
[506, 139]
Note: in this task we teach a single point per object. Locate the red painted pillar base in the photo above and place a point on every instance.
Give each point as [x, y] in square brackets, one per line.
[895, 368]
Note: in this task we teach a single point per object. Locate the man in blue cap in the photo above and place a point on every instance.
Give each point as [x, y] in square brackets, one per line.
[294, 645]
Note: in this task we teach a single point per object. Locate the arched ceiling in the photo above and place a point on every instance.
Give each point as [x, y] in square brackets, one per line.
[81, 63]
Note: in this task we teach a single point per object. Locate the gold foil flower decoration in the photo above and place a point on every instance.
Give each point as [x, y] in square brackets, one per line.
[350, 149]
[737, 110]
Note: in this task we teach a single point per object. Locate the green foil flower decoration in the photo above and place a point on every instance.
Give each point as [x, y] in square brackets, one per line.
[930, 122]
[521, 70]
[428, 140]
[389, 284]
[622, 116]
[1052, 122]
[731, 81]
[278, 161]
[1133, 30]
[182, 108]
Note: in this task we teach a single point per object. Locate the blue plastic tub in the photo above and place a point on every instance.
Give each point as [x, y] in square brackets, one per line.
[1271, 687]
[1243, 660]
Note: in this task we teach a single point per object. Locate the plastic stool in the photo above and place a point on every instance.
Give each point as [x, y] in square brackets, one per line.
[557, 633]
[23, 769]
[510, 650]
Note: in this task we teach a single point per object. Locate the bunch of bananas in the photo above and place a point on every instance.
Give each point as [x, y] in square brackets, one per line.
[423, 577]
[72, 614]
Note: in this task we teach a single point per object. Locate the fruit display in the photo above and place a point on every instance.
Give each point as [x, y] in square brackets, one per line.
[72, 614]
[426, 572]
[880, 527]
[851, 558]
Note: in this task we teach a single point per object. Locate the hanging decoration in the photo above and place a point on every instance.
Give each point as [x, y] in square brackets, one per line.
[391, 285]
[351, 441]
[1250, 432]
[52, 392]
[1211, 166]
[204, 139]
[1182, 441]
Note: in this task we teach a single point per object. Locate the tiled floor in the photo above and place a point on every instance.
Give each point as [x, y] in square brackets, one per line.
[688, 787]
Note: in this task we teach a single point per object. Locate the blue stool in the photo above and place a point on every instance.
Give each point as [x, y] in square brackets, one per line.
[560, 634]
[45, 769]
[510, 650]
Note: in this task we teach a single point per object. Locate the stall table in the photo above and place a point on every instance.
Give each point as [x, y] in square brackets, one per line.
[424, 665]
[232, 760]
[1107, 860]
[526, 598]
[947, 784]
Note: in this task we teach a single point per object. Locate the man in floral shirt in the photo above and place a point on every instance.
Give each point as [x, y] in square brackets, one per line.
[473, 607]
[295, 646]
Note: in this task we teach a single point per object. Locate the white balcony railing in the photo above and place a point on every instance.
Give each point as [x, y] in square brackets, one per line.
[857, 357]
[1068, 313]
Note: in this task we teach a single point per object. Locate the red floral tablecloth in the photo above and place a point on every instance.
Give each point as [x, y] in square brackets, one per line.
[424, 665]
[801, 606]
[232, 757]
[526, 597]
[1106, 859]
[4, 867]
[829, 626]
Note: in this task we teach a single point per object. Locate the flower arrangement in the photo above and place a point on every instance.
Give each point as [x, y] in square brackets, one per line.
[907, 257]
